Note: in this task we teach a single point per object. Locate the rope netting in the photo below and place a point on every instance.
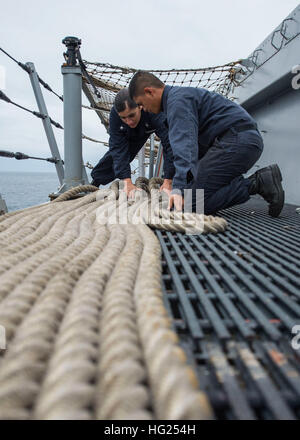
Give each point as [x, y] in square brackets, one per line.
[109, 79]
[87, 333]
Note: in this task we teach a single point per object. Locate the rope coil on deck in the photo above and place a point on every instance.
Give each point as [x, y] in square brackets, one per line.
[157, 215]
[87, 334]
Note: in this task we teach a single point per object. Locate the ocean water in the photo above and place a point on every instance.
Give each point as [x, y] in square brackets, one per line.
[23, 189]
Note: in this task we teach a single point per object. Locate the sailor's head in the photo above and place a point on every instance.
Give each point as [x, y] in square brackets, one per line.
[146, 90]
[127, 109]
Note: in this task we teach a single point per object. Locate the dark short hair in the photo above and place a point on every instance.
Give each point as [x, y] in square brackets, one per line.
[122, 100]
[142, 79]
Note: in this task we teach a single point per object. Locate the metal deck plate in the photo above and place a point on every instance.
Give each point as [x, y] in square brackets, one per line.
[234, 299]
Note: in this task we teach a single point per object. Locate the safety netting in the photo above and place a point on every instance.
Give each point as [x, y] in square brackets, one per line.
[109, 79]
[104, 80]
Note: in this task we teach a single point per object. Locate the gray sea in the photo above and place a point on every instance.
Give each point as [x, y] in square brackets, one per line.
[23, 189]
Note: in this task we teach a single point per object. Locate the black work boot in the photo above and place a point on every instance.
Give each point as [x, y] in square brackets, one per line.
[267, 183]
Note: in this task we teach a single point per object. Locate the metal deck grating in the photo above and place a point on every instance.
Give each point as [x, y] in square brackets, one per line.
[234, 299]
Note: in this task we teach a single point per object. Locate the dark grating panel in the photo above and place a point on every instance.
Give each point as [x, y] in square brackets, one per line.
[234, 299]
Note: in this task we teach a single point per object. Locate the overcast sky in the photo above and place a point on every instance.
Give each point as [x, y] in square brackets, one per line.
[139, 33]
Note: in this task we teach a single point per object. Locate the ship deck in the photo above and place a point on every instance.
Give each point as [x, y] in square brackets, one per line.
[234, 301]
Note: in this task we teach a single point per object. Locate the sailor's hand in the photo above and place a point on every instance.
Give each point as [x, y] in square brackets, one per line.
[166, 186]
[177, 201]
[130, 188]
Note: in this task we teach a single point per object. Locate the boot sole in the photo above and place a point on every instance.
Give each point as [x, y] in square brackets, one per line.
[275, 210]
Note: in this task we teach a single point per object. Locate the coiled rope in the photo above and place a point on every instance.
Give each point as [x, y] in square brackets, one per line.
[87, 334]
[151, 210]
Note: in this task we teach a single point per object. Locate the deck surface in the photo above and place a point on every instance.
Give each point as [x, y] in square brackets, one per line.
[235, 298]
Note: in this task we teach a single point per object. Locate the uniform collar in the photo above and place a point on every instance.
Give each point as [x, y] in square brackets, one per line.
[164, 98]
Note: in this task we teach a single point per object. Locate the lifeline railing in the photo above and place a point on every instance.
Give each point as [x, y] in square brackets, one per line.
[65, 180]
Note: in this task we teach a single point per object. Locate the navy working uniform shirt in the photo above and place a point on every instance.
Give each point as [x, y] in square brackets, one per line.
[125, 142]
[195, 118]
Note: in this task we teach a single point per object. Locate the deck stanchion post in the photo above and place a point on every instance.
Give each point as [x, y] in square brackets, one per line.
[141, 159]
[72, 84]
[46, 122]
[159, 162]
[152, 154]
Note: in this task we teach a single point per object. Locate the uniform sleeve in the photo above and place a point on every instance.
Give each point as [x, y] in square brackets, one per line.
[119, 147]
[161, 130]
[183, 135]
